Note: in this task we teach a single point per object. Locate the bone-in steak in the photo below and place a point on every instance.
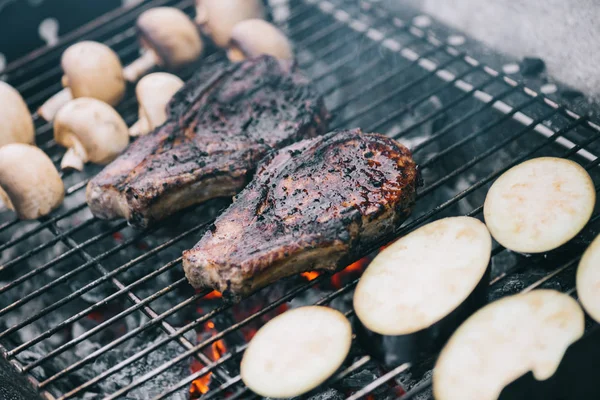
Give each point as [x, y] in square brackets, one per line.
[220, 125]
[315, 205]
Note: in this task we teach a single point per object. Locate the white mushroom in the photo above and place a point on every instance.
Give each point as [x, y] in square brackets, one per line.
[91, 130]
[16, 124]
[153, 93]
[254, 37]
[91, 69]
[29, 182]
[168, 37]
[217, 18]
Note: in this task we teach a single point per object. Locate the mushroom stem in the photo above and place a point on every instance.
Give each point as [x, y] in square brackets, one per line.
[49, 109]
[4, 199]
[139, 67]
[75, 157]
[139, 128]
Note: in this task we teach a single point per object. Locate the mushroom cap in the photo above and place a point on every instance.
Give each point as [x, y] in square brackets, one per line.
[154, 91]
[218, 17]
[16, 124]
[171, 34]
[94, 70]
[95, 125]
[30, 180]
[255, 37]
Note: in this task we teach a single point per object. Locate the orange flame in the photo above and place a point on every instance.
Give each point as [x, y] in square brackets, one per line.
[351, 271]
[213, 295]
[201, 384]
[311, 275]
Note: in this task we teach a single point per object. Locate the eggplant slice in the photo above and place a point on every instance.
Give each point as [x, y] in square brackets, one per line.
[539, 205]
[588, 280]
[417, 291]
[296, 351]
[503, 341]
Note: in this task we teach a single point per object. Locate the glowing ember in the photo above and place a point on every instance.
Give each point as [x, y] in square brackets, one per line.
[352, 271]
[201, 384]
[213, 295]
[218, 350]
[310, 275]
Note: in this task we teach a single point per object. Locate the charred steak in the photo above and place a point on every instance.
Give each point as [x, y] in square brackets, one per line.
[220, 124]
[315, 205]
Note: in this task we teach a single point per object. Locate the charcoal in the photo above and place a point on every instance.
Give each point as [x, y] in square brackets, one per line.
[135, 370]
[328, 394]
[532, 66]
[570, 94]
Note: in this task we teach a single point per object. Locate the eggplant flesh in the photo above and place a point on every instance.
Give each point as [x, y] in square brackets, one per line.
[588, 280]
[539, 205]
[296, 351]
[393, 350]
[503, 341]
[417, 291]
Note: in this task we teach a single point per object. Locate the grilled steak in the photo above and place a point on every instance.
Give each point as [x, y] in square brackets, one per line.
[220, 124]
[315, 205]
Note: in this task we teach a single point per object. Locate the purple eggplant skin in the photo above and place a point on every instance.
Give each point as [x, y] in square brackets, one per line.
[393, 350]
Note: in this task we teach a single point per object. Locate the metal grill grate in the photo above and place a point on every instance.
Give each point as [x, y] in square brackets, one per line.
[465, 122]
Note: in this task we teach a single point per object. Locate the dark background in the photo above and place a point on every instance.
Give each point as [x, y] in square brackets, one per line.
[20, 20]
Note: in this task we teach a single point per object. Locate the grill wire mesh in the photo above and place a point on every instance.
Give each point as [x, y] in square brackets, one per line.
[95, 309]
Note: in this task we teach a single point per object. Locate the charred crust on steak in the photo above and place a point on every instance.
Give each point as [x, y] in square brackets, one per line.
[317, 204]
[219, 126]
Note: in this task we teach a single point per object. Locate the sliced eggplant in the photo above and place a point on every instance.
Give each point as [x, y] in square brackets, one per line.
[588, 280]
[539, 205]
[417, 291]
[296, 351]
[503, 341]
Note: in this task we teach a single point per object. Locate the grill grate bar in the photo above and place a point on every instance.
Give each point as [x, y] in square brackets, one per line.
[393, 93]
[385, 17]
[331, 68]
[109, 21]
[214, 338]
[361, 70]
[61, 257]
[433, 115]
[448, 128]
[106, 276]
[101, 326]
[408, 107]
[118, 38]
[485, 129]
[239, 350]
[500, 277]
[146, 309]
[485, 154]
[380, 381]
[383, 79]
[197, 322]
[44, 223]
[348, 58]
[130, 102]
[110, 321]
[64, 300]
[91, 357]
[39, 248]
[428, 215]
